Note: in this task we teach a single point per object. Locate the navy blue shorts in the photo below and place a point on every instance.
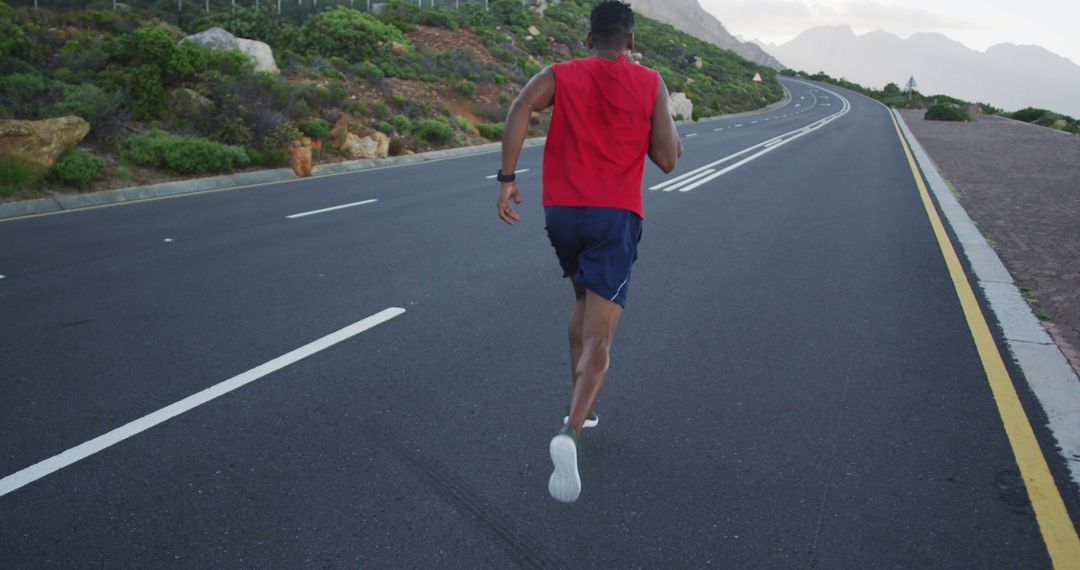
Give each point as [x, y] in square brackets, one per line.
[596, 247]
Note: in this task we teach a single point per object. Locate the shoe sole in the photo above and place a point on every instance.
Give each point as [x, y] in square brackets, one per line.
[565, 483]
[588, 422]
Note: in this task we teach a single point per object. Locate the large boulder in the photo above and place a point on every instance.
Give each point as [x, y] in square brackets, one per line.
[260, 53]
[41, 143]
[680, 106]
[375, 145]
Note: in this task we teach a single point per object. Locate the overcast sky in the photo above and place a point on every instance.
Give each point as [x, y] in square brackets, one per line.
[977, 24]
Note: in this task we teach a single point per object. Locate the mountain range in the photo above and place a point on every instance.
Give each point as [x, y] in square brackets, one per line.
[688, 16]
[1005, 75]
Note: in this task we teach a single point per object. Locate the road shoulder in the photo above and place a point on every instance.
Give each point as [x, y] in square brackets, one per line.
[1044, 366]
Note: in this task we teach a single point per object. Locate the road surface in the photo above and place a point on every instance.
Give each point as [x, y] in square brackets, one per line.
[794, 383]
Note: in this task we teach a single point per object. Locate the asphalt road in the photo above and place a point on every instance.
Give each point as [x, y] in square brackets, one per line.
[793, 382]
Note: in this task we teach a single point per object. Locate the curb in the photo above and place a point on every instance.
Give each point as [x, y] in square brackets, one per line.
[1048, 373]
[57, 202]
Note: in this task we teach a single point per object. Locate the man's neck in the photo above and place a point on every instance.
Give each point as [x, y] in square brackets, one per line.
[608, 53]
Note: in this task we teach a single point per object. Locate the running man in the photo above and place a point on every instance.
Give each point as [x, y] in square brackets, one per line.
[608, 114]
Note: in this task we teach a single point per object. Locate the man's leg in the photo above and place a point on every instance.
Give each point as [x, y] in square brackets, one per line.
[600, 318]
[576, 329]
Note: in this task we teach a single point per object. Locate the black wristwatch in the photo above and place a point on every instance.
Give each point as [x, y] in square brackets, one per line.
[505, 177]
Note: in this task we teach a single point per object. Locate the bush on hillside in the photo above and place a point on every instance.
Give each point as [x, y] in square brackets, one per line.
[317, 128]
[350, 34]
[23, 94]
[89, 102]
[13, 41]
[1028, 114]
[402, 124]
[15, 175]
[185, 155]
[510, 13]
[434, 132]
[78, 168]
[491, 131]
[946, 112]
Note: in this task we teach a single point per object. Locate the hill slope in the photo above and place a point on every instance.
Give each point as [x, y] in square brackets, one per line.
[425, 78]
[690, 17]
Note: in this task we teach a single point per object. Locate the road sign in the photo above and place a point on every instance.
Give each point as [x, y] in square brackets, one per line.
[757, 78]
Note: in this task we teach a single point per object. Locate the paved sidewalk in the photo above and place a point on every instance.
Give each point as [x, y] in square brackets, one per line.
[1021, 185]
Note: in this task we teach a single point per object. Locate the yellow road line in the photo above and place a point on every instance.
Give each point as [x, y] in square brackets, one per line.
[1057, 529]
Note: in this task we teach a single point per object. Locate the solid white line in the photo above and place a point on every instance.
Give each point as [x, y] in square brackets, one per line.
[313, 212]
[701, 181]
[494, 176]
[695, 176]
[82, 451]
[775, 142]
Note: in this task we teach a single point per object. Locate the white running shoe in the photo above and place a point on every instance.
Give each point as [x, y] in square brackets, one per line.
[565, 483]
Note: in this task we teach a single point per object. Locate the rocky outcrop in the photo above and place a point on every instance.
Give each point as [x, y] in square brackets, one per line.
[680, 106]
[375, 145]
[353, 146]
[260, 53]
[41, 143]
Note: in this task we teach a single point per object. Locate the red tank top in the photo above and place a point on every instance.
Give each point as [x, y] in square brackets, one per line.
[599, 135]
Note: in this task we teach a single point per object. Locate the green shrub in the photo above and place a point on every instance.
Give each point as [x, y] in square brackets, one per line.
[492, 131]
[151, 45]
[434, 132]
[499, 77]
[281, 137]
[467, 88]
[510, 12]
[84, 53]
[475, 15]
[187, 60]
[386, 128]
[145, 90]
[946, 112]
[233, 131]
[13, 40]
[370, 71]
[229, 62]
[22, 94]
[317, 128]
[381, 110]
[1028, 114]
[89, 102]
[16, 175]
[398, 99]
[186, 155]
[460, 122]
[78, 168]
[351, 34]
[402, 124]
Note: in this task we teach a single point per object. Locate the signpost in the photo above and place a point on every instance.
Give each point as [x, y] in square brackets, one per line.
[757, 78]
[911, 87]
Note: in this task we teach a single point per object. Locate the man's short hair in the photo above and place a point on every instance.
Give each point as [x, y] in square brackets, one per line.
[611, 22]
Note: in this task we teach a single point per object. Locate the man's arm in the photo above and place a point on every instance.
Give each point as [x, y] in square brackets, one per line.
[665, 148]
[537, 95]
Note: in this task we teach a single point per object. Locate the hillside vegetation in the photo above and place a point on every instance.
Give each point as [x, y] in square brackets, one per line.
[427, 78]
